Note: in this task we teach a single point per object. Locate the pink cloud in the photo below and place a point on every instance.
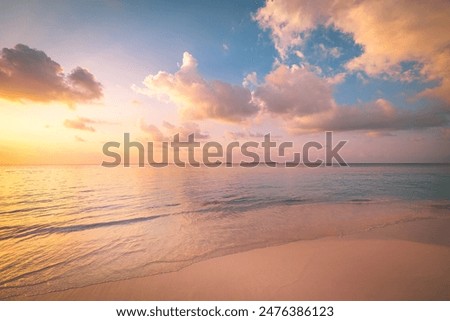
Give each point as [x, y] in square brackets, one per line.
[391, 32]
[168, 130]
[305, 102]
[294, 91]
[198, 98]
[379, 115]
[27, 73]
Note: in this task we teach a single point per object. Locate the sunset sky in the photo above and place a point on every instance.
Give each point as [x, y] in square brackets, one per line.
[76, 74]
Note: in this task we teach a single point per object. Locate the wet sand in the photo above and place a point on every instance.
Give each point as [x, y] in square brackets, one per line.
[406, 261]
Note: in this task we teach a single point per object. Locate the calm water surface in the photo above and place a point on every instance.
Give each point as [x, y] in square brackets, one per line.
[70, 226]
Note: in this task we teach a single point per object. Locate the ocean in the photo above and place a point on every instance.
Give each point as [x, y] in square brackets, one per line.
[65, 227]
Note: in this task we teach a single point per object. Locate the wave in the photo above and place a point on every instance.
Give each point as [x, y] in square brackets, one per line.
[36, 230]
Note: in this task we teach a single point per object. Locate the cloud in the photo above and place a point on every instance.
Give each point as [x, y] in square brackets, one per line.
[296, 94]
[169, 130]
[186, 129]
[445, 133]
[237, 135]
[334, 52]
[79, 139]
[288, 19]
[299, 54]
[376, 134]
[305, 102]
[29, 74]
[154, 132]
[391, 32]
[337, 79]
[294, 91]
[198, 98]
[81, 123]
[251, 79]
[379, 115]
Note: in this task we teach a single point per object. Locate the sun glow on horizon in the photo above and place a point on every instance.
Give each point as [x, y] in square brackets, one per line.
[235, 71]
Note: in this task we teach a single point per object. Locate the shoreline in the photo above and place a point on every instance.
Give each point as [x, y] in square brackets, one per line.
[407, 261]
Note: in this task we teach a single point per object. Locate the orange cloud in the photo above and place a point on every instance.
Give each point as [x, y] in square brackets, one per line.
[80, 123]
[29, 74]
[287, 19]
[199, 98]
[391, 32]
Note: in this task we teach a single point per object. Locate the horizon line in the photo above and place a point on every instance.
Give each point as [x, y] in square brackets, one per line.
[238, 163]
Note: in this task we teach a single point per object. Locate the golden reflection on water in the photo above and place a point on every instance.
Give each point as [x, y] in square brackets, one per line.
[70, 226]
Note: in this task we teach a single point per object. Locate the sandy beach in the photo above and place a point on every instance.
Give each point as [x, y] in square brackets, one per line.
[406, 261]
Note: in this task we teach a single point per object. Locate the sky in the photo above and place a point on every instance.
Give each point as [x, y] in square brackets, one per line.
[77, 74]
